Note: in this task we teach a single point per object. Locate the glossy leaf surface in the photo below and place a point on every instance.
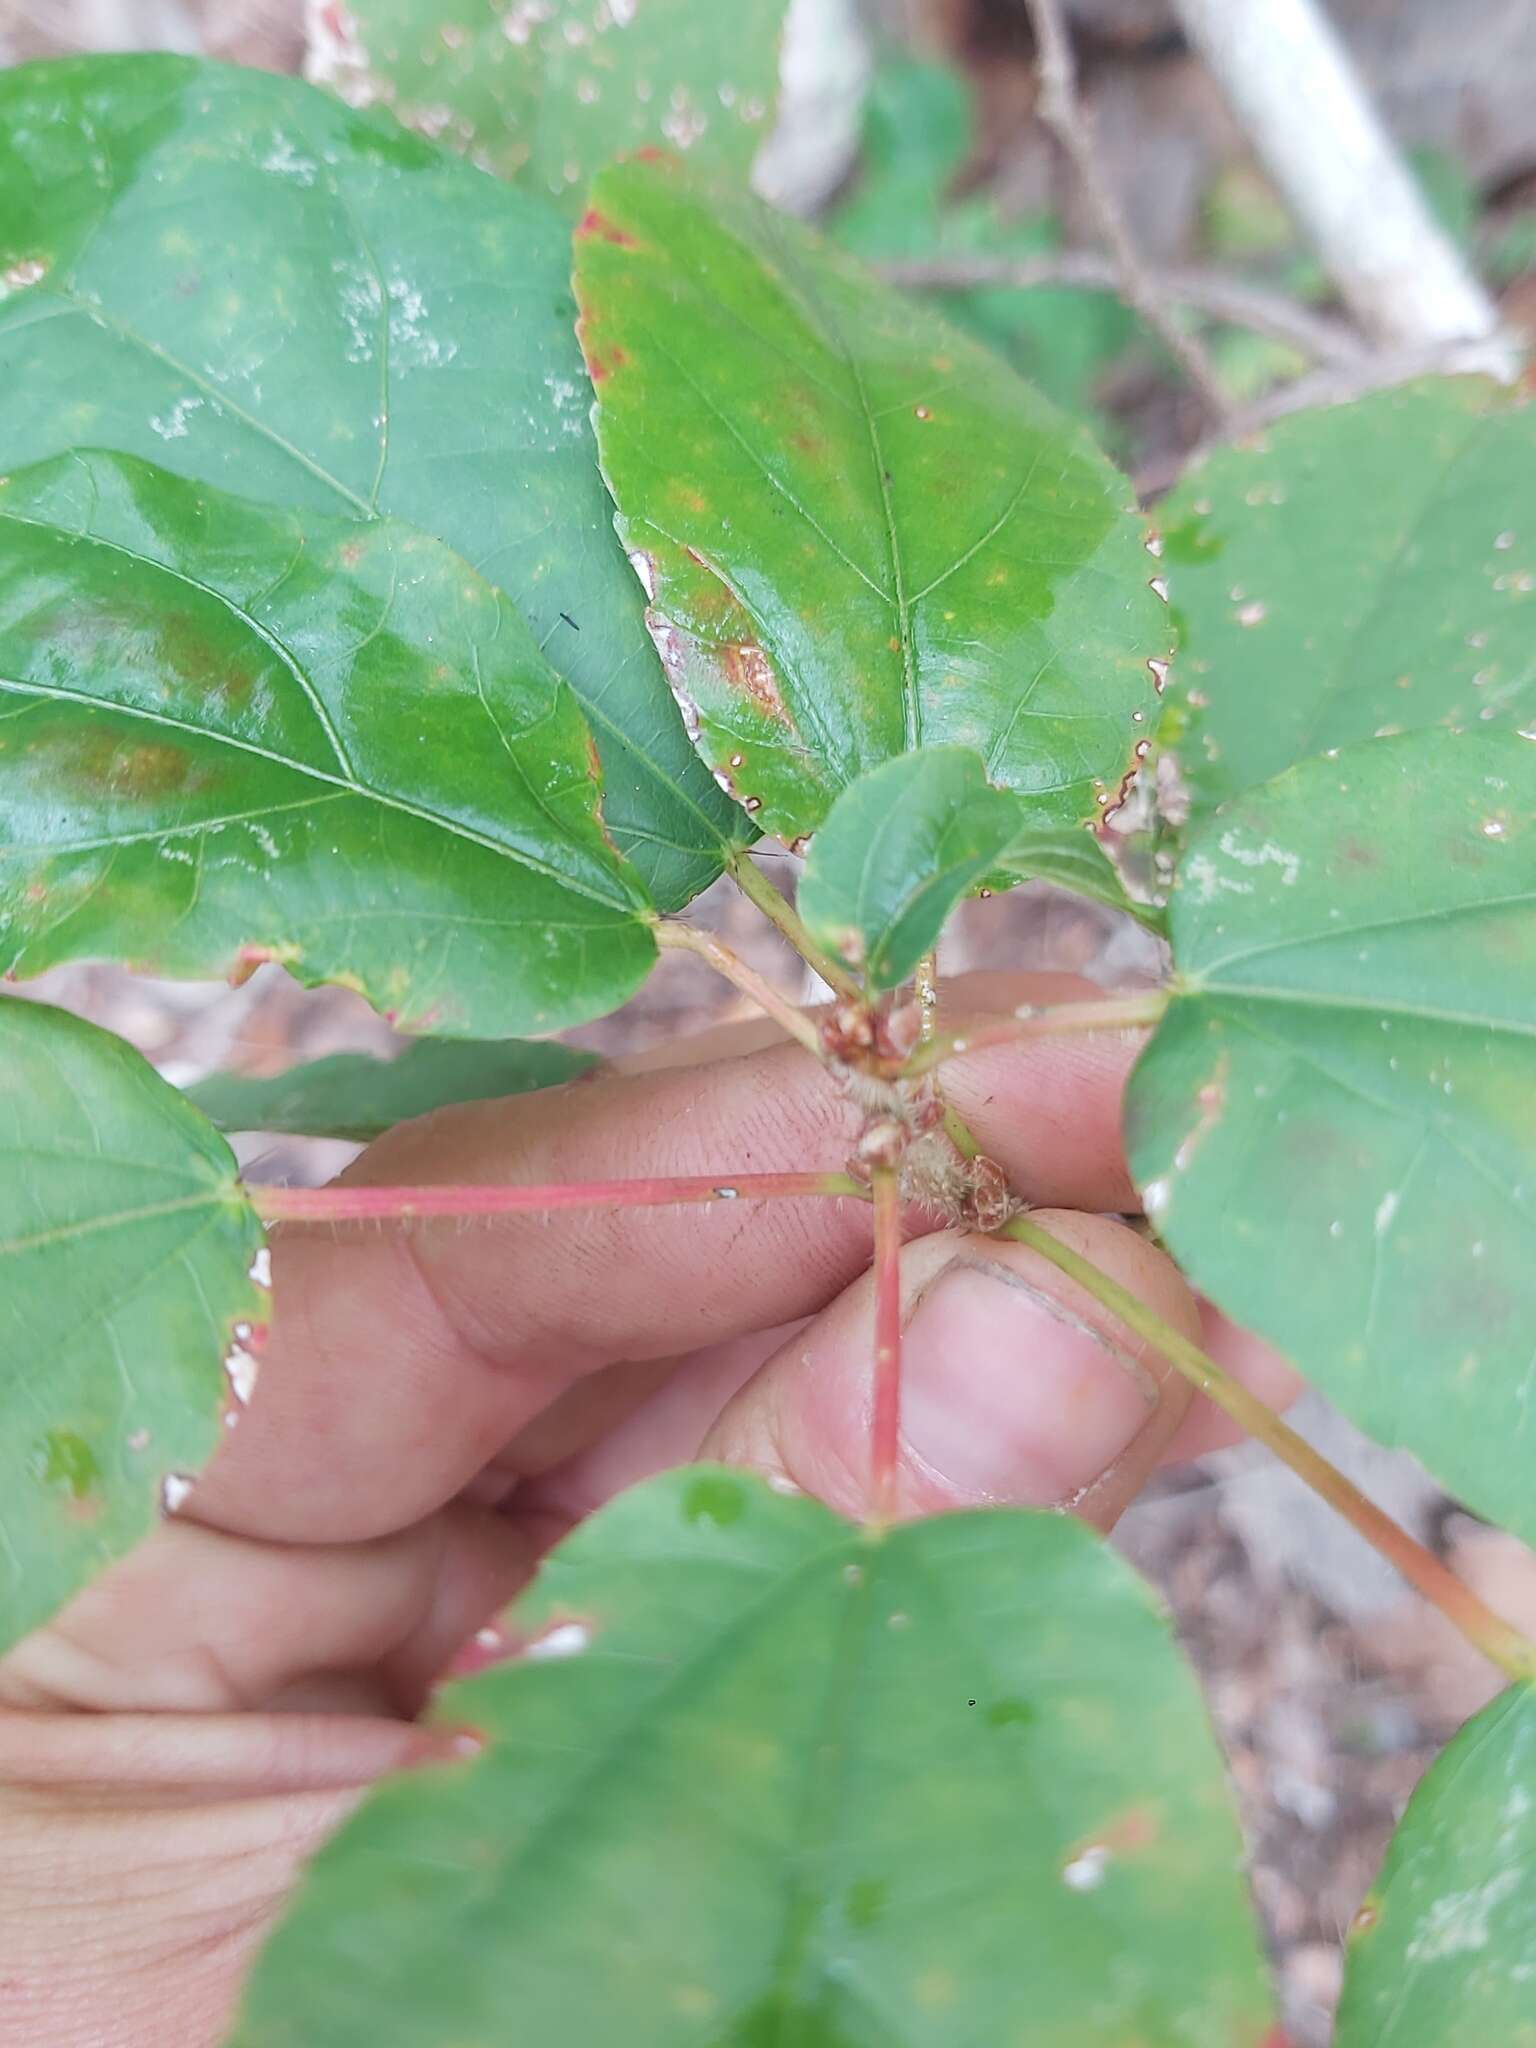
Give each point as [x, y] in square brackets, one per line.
[229, 733]
[351, 1095]
[946, 1788]
[1334, 1127]
[899, 849]
[1443, 1953]
[547, 91]
[1364, 569]
[861, 532]
[231, 275]
[125, 1245]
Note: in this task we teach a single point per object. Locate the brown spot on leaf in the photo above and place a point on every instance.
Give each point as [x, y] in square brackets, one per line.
[1355, 853]
[597, 225]
[748, 670]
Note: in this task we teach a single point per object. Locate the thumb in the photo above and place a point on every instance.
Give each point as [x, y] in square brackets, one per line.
[1016, 1386]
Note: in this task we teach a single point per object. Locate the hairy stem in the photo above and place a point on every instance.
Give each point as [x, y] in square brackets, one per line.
[1498, 1641]
[1114, 1013]
[687, 938]
[1062, 113]
[781, 913]
[404, 1204]
[885, 1423]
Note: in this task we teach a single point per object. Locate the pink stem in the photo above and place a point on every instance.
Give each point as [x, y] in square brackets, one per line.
[885, 1426]
[402, 1204]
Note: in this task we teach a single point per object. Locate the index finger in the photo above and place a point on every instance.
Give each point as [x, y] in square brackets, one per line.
[399, 1364]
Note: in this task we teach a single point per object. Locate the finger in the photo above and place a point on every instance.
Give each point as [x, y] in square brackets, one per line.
[196, 1621]
[400, 1363]
[1016, 1386]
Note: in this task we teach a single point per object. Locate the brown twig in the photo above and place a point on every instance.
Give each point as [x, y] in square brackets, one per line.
[1213, 292]
[1061, 112]
[1334, 384]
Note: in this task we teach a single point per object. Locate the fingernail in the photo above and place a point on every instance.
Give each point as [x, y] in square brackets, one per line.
[1007, 1395]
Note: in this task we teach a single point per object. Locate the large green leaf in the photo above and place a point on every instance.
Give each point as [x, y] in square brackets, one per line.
[545, 91]
[229, 732]
[765, 1778]
[1443, 1952]
[1366, 569]
[860, 531]
[352, 1095]
[231, 275]
[899, 849]
[1334, 1127]
[125, 1254]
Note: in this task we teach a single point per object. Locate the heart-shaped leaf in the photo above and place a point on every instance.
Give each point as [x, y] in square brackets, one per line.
[860, 532]
[1443, 1952]
[942, 1785]
[352, 1095]
[231, 275]
[125, 1253]
[899, 849]
[1334, 1127]
[232, 733]
[545, 91]
[1366, 569]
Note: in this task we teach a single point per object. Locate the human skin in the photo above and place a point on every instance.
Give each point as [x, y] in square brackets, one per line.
[436, 1406]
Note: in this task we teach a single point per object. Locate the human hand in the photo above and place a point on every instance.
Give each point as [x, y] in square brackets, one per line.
[436, 1406]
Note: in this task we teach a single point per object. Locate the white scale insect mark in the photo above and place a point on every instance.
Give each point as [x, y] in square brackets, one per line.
[174, 1489]
[1086, 1873]
[172, 426]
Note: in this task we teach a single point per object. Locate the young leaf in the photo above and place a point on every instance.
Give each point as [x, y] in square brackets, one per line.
[1366, 569]
[231, 275]
[125, 1254]
[232, 733]
[351, 1095]
[1443, 1952]
[1334, 1128]
[949, 1783]
[545, 93]
[899, 849]
[860, 531]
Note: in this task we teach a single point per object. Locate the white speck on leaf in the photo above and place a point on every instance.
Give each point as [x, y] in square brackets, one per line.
[1086, 1873]
[260, 1268]
[240, 1369]
[1386, 1209]
[1458, 1923]
[174, 1489]
[172, 426]
[1267, 855]
[565, 1639]
[1252, 614]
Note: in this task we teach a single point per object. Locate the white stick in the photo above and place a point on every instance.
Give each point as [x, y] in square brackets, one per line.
[1303, 107]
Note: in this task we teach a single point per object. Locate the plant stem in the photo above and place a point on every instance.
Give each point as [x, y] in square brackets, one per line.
[687, 938]
[1502, 1644]
[1062, 113]
[401, 1204]
[960, 1134]
[1115, 1013]
[1233, 300]
[885, 1423]
[781, 913]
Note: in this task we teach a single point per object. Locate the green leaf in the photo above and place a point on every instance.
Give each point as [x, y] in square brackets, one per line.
[229, 733]
[917, 135]
[862, 533]
[546, 91]
[947, 1784]
[1334, 1127]
[351, 1095]
[899, 849]
[125, 1253]
[1366, 569]
[1443, 1952]
[229, 274]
